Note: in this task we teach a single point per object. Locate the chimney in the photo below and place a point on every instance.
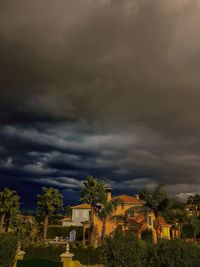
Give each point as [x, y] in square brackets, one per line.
[109, 193]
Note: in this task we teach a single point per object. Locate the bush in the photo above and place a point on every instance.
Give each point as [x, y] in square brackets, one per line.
[187, 231]
[123, 249]
[46, 251]
[55, 230]
[87, 256]
[147, 235]
[8, 248]
[176, 253]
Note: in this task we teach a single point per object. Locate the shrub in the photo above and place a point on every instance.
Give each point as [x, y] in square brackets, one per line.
[46, 251]
[8, 248]
[176, 253]
[123, 249]
[147, 235]
[87, 256]
[58, 230]
[187, 231]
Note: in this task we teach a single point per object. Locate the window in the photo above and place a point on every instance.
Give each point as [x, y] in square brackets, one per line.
[149, 220]
[85, 213]
[76, 213]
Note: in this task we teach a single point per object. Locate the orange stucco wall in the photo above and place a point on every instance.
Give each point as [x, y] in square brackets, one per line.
[111, 224]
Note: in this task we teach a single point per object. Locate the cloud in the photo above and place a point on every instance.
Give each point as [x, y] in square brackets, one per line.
[108, 88]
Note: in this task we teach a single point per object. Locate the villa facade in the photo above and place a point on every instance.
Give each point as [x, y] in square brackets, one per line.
[137, 223]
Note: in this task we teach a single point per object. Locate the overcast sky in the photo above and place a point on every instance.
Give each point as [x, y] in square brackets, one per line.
[109, 88]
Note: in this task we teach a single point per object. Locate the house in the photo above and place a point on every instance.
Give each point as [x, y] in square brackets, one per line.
[80, 213]
[136, 222]
[192, 209]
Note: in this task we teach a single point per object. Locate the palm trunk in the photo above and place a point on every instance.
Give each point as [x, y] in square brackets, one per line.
[154, 236]
[103, 232]
[195, 238]
[46, 221]
[92, 237]
[2, 222]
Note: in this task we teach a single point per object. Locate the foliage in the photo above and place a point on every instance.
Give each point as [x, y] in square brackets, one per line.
[9, 207]
[87, 255]
[39, 263]
[50, 201]
[68, 211]
[8, 248]
[55, 218]
[176, 253]
[175, 213]
[195, 224]
[155, 200]
[93, 193]
[187, 231]
[123, 249]
[56, 230]
[42, 250]
[147, 235]
[105, 213]
[25, 230]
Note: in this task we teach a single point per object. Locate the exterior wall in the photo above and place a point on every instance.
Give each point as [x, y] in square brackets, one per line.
[80, 215]
[110, 224]
[67, 223]
[165, 232]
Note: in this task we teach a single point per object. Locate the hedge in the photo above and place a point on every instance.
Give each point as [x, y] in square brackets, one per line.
[8, 248]
[57, 230]
[125, 250]
[85, 256]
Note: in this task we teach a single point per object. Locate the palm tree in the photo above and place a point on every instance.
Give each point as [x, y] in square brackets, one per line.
[175, 213]
[93, 193]
[105, 213]
[50, 201]
[155, 201]
[9, 207]
[194, 221]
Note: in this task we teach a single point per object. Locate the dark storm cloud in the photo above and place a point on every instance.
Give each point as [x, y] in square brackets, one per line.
[108, 88]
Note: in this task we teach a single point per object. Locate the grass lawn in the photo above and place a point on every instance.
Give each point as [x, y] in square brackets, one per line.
[38, 263]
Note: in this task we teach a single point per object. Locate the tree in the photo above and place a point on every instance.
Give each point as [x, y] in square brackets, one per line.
[175, 213]
[194, 221]
[9, 207]
[26, 231]
[155, 201]
[123, 249]
[68, 211]
[122, 219]
[50, 201]
[93, 193]
[105, 213]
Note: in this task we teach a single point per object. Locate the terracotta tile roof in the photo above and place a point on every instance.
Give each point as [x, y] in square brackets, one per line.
[82, 206]
[161, 221]
[128, 199]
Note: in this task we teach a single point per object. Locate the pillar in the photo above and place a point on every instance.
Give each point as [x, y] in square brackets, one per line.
[84, 235]
[66, 258]
[19, 256]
